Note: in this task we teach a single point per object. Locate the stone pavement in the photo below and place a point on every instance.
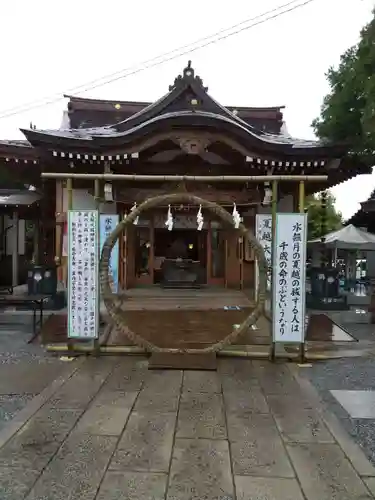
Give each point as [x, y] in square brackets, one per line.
[347, 386]
[25, 369]
[112, 430]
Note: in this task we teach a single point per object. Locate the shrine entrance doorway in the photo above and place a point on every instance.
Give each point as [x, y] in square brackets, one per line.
[180, 258]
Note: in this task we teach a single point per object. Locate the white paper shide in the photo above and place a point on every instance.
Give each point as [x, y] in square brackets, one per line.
[83, 278]
[289, 278]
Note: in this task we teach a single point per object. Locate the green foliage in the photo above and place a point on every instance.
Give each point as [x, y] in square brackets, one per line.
[315, 213]
[348, 111]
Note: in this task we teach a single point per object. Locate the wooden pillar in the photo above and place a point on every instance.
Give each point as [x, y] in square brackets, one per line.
[371, 308]
[241, 255]
[125, 258]
[15, 237]
[151, 254]
[59, 230]
[209, 253]
[226, 260]
[120, 251]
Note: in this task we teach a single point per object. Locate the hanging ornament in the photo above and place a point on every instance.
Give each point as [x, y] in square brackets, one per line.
[200, 220]
[137, 218]
[169, 221]
[237, 219]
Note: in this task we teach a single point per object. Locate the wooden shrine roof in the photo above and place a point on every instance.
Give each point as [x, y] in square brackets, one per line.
[87, 113]
[187, 105]
[234, 138]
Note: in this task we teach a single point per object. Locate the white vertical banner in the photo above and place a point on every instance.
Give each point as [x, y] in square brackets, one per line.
[108, 223]
[83, 274]
[289, 278]
[263, 233]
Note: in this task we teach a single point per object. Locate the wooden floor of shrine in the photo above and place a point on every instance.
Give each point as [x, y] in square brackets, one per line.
[187, 318]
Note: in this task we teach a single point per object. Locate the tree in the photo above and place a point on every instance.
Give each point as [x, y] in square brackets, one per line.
[348, 111]
[315, 212]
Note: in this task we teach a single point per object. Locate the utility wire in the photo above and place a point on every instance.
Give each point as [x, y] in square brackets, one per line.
[97, 81]
[156, 60]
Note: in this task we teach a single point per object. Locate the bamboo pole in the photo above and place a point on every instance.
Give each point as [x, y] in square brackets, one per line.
[180, 178]
[96, 346]
[114, 349]
[273, 212]
[133, 350]
[69, 187]
[301, 208]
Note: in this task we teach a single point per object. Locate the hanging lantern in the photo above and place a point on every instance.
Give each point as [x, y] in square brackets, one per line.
[137, 218]
[169, 221]
[237, 219]
[200, 220]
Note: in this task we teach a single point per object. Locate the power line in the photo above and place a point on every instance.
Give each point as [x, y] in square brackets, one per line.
[156, 60]
[97, 81]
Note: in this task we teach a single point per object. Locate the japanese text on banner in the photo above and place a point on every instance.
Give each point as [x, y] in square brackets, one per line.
[264, 236]
[83, 280]
[108, 223]
[289, 278]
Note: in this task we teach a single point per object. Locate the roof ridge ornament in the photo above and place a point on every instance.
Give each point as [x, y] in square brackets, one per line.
[188, 76]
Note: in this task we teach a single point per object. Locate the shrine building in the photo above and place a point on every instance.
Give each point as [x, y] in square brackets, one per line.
[185, 141]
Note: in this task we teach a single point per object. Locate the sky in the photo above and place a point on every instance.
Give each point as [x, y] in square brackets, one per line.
[48, 48]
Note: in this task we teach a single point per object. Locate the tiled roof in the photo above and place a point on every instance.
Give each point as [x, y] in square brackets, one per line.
[110, 131]
[18, 143]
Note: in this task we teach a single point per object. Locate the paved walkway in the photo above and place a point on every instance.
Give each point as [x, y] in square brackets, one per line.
[25, 369]
[347, 386]
[112, 430]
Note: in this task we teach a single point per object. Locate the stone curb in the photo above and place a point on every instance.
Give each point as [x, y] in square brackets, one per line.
[350, 449]
[31, 408]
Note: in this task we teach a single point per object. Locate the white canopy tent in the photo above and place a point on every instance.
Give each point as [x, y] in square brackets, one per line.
[347, 238]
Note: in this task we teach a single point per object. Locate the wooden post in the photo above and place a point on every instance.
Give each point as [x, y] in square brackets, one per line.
[273, 212]
[15, 246]
[301, 208]
[226, 249]
[151, 254]
[371, 308]
[241, 255]
[208, 254]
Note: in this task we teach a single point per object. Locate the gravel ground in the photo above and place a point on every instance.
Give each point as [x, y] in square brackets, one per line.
[348, 374]
[20, 361]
